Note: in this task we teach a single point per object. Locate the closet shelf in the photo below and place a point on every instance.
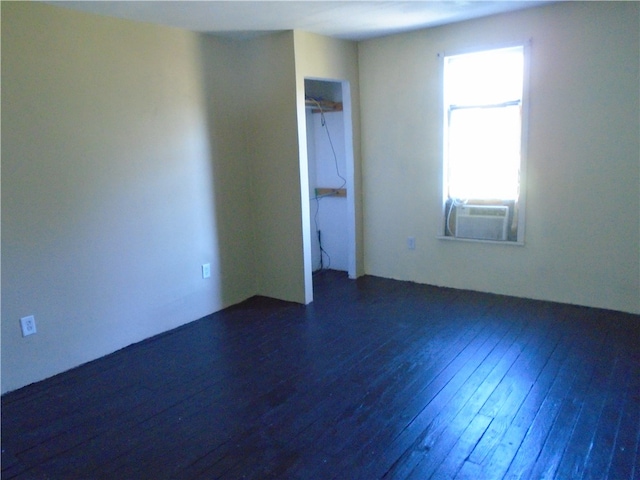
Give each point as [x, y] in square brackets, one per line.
[318, 106]
[331, 192]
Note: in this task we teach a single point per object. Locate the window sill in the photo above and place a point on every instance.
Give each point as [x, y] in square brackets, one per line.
[479, 240]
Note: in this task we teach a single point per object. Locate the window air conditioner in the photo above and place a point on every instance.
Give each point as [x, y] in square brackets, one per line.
[485, 222]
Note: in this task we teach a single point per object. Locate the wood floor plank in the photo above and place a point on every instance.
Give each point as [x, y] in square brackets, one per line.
[375, 379]
[628, 436]
[345, 390]
[470, 398]
[550, 383]
[604, 438]
[551, 452]
[405, 448]
[325, 433]
[360, 415]
[413, 383]
[537, 349]
[457, 454]
[549, 416]
[579, 447]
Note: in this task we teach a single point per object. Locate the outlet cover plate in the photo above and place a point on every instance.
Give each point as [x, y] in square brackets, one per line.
[206, 270]
[28, 325]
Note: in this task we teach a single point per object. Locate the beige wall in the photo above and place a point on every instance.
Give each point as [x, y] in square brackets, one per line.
[109, 200]
[582, 217]
[272, 141]
[108, 206]
[123, 173]
[227, 116]
[252, 107]
[133, 154]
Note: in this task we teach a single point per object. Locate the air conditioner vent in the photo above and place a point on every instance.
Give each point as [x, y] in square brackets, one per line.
[482, 222]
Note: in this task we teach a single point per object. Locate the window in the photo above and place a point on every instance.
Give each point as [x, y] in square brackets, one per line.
[483, 101]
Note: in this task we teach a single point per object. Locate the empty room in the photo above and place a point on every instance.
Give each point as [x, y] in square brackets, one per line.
[320, 240]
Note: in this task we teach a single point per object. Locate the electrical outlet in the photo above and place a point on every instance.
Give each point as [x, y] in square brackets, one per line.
[411, 243]
[28, 325]
[206, 270]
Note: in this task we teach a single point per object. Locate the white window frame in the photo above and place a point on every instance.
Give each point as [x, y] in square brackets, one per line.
[521, 202]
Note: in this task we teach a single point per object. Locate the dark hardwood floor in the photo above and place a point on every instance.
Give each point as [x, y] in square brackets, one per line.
[375, 379]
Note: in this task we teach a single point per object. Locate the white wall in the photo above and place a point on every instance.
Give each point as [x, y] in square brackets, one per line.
[329, 214]
[583, 211]
[311, 165]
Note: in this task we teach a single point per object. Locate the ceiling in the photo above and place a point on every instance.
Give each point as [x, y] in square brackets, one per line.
[351, 20]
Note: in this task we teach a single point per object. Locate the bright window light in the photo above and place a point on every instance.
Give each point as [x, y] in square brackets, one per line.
[483, 100]
[483, 161]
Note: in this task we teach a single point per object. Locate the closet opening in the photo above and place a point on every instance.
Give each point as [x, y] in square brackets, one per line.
[330, 166]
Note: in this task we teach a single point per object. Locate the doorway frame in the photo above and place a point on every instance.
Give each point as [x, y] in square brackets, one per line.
[350, 185]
